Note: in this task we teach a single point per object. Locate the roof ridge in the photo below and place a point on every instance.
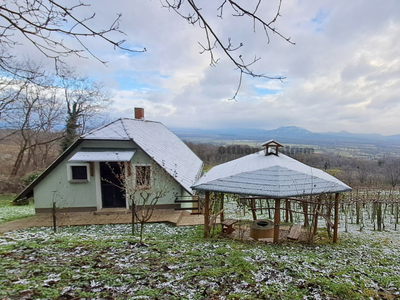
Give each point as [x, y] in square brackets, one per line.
[133, 119]
[99, 128]
[123, 126]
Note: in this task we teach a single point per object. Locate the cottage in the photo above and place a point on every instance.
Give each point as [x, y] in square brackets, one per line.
[83, 178]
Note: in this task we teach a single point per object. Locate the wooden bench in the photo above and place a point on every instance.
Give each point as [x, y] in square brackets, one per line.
[227, 226]
[295, 232]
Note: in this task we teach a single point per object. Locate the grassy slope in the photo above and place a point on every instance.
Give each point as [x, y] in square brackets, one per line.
[9, 212]
[177, 263]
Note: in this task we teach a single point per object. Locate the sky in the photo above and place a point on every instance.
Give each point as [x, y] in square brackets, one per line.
[343, 73]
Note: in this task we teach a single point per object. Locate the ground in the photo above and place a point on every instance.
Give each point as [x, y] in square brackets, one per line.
[107, 262]
[88, 218]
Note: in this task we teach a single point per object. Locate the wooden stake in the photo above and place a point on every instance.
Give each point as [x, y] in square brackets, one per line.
[277, 219]
[54, 218]
[305, 210]
[222, 207]
[287, 210]
[206, 214]
[253, 211]
[335, 228]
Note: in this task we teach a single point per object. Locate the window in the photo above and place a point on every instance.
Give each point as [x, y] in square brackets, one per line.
[78, 172]
[143, 176]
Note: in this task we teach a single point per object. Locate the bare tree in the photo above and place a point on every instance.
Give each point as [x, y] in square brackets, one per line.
[32, 118]
[392, 170]
[46, 23]
[84, 99]
[194, 14]
[14, 81]
[143, 186]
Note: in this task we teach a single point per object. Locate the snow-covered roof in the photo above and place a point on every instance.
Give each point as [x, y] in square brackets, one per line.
[159, 143]
[102, 155]
[271, 176]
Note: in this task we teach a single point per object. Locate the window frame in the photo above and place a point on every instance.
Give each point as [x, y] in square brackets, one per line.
[70, 172]
[144, 187]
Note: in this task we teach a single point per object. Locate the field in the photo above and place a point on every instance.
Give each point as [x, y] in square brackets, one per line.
[105, 262]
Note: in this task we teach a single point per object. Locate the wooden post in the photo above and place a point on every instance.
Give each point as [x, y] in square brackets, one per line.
[357, 208]
[54, 218]
[206, 214]
[253, 208]
[379, 213]
[287, 210]
[335, 227]
[133, 207]
[305, 211]
[222, 218]
[277, 219]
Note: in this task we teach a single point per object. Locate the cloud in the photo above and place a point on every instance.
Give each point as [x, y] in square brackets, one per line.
[342, 74]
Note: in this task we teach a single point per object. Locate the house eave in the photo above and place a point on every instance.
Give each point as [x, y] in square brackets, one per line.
[28, 191]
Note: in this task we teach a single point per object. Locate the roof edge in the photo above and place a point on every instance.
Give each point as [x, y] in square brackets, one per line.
[217, 190]
[27, 192]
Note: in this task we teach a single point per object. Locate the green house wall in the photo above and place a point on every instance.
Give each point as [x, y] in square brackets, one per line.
[86, 196]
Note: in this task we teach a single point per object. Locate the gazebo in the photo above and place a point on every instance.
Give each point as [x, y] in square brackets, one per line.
[272, 175]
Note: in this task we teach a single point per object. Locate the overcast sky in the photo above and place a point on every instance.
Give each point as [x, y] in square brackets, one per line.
[342, 74]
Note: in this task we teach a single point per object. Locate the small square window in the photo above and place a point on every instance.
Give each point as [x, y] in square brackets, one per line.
[79, 172]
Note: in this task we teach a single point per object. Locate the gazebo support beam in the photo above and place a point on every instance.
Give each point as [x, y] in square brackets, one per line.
[335, 226]
[253, 206]
[207, 214]
[222, 207]
[277, 219]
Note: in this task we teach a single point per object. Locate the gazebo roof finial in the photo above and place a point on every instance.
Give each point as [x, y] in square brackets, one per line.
[271, 147]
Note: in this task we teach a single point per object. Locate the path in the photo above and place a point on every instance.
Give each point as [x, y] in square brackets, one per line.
[179, 218]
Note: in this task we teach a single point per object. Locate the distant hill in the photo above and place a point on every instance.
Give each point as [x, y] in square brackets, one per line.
[365, 144]
[292, 132]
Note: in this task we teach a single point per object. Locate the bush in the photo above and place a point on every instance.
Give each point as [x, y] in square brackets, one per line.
[30, 177]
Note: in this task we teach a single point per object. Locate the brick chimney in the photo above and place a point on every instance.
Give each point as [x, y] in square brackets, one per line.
[139, 113]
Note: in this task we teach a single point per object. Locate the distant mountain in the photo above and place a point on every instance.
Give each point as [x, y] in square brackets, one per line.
[364, 145]
[365, 136]
[287, 134]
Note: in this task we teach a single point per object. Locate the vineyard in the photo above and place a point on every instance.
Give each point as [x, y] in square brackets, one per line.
[372, 209]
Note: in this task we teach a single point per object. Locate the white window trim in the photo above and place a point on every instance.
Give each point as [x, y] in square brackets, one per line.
[69, 172]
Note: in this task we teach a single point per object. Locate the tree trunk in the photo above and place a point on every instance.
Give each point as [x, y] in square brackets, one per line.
[277, 219]
[305, 211]
[141, 231]
[18, 162]
[379, 216]
[133, 208]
